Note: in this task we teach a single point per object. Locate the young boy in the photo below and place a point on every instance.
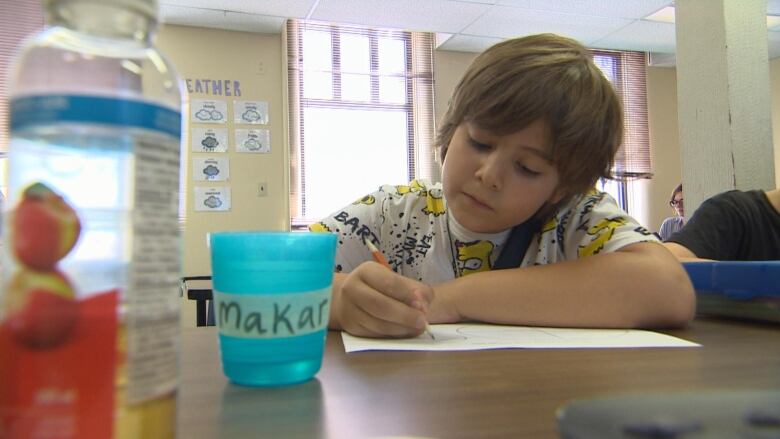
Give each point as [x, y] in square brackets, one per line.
[532, 125]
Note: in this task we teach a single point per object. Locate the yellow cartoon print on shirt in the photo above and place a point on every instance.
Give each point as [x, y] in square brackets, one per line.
[413, 187]
[602, 232]
[434, 204]
[368, 199]
[552, 224]
[319, 227]
[473, 256]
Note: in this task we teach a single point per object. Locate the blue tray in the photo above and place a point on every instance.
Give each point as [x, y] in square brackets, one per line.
[747, 290]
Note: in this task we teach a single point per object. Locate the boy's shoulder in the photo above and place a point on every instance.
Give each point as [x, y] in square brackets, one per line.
[417, 187]
[592, 210]
[583, 205]
[428, 196]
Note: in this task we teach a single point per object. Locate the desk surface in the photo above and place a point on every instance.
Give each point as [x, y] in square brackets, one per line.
[486, 394]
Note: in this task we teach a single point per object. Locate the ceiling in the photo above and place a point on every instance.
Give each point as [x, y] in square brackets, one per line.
[460, 25]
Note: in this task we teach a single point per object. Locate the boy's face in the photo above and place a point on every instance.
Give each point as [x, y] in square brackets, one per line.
[493, 182]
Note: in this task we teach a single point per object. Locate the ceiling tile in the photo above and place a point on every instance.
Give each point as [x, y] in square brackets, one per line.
[642, 35]
[279, 8]
[219, 19]
[468, 43]
[604, 8]
[429, 15]
[773, 7]
[505, 22]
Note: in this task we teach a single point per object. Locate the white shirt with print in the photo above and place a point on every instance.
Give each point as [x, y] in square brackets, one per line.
[412, 228]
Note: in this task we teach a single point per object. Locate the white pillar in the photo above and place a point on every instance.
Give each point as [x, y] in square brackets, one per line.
[723, 97]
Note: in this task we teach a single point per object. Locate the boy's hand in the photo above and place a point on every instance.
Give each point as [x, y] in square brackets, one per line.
[376, 302]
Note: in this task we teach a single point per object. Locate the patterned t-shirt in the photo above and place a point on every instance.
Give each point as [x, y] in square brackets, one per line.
[412, 228]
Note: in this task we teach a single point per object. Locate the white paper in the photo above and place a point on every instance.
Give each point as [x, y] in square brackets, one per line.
[256, 140]
[208, 111]
[212, 199]
[209, 140]
[251, 112]
[210, 168]
[475, 336]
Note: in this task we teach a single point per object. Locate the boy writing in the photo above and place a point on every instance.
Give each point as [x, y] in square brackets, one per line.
[514, 233]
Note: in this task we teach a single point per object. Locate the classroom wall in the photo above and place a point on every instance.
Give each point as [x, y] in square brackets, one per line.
[774, 83]
[665, 147]
[255, 60]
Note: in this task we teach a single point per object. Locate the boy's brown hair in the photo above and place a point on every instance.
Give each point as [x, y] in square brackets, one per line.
[518, 81]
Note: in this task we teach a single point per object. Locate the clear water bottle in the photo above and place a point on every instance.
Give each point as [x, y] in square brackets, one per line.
[89, 307]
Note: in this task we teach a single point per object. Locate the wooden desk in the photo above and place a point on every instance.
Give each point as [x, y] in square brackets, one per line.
[511, 393]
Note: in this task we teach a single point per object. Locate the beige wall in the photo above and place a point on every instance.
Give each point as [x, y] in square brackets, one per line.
[447, 68]
[255, 61]
[664, 146]
[774, 83]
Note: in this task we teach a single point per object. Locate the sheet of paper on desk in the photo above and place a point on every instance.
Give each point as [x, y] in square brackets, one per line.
[474, 336]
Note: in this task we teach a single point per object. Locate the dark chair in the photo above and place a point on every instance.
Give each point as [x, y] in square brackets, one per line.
[204, 300]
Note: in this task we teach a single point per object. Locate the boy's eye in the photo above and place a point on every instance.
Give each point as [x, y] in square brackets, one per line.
[479, 146]
[523, 169]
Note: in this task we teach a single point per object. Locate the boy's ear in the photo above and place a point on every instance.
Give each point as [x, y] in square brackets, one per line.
[558, 194]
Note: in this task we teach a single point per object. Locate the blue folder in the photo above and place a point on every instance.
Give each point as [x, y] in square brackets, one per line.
[744, 290]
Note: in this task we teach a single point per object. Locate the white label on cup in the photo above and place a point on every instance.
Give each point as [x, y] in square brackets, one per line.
[272, 315]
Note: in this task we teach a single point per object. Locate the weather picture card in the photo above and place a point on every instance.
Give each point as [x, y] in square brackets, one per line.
[212, 199]
[208, 111]
[210, 169]
[208, 139]
[475, 336]
[251, 112]
[254, 140]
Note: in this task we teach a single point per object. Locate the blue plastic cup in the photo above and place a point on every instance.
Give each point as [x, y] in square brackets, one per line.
[272, 294]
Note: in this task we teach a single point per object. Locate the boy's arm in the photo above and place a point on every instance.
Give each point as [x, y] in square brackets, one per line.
[683, 253]
[640, 285]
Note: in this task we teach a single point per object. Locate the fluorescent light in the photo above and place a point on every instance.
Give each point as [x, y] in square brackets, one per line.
[772, 21]
[666, 15]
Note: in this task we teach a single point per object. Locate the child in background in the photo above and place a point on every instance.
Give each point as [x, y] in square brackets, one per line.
[673, 224]
[515, 232]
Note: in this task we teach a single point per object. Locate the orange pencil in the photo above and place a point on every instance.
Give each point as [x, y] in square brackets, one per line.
[381, 259]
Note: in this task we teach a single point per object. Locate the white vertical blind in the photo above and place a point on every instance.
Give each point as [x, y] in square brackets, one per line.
[18, 20]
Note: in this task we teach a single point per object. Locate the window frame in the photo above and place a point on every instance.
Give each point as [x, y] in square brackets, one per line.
[418, 106]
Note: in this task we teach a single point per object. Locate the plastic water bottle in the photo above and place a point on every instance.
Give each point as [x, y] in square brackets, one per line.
[89, 307]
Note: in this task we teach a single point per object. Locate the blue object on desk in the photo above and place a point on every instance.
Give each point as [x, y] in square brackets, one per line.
[272, 293]
[738, 289]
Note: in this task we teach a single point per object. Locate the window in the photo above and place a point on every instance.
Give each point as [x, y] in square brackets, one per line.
[361, 113]
[626, 72]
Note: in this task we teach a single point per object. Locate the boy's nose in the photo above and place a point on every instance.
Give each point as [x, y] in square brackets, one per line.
[490, 173]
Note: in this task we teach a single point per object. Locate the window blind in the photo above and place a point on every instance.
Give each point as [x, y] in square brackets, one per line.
[629, 79]
[18, 20]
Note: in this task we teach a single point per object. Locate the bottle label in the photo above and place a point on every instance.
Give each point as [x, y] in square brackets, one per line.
[30, 111]
[272, 315]
[94, 249]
